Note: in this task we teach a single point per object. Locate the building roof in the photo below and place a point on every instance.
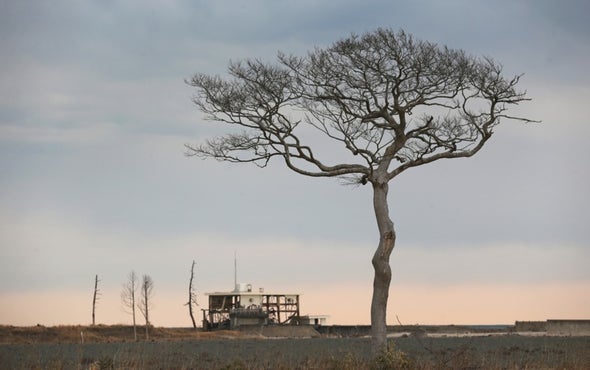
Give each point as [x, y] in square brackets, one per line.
[246, 290]
[234, 293]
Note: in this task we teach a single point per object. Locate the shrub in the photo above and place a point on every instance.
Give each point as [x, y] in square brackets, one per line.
[391, 359]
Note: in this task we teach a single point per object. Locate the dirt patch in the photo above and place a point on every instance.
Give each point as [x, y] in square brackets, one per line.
[276, 331]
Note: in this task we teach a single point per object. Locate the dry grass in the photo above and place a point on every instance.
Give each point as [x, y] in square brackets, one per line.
[112, 347]
[102, 334]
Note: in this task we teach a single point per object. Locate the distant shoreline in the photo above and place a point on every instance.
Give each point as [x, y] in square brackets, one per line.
[123, 333]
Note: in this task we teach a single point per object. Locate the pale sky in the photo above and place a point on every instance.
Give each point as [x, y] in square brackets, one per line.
[94, 113]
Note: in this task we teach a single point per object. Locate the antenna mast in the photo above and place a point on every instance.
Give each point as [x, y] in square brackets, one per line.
[235, 269]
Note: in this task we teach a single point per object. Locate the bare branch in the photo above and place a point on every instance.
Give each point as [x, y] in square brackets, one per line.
[128, 298]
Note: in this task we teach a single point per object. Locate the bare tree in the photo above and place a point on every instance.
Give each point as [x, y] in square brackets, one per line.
[145, 301]
[95, 298]
[128, 298]
[192, 296]
[389, 103]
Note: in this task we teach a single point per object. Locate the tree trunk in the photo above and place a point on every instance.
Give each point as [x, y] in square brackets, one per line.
[94, 299]
[133, 310]
[191, 296]
[147, 316]
[146, 309]
[382, 269]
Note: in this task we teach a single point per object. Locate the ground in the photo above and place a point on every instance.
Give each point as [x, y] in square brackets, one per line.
[112, 347]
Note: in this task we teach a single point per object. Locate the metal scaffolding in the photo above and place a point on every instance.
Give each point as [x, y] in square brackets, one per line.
[229, 310]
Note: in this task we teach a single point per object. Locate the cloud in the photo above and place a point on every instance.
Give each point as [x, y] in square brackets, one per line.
[42, 244]
[94, 114]
[46, 255]
[344, 303]
[68, 99]
[444, 265]
[474, 303]
[69, 135]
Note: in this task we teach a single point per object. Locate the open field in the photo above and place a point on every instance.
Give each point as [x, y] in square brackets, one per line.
[111, 347]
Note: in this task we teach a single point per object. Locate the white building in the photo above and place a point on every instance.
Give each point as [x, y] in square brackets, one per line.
[242, 306]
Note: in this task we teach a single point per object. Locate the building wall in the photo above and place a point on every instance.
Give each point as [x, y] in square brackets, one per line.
[568, 327]
[534, 326]
[247, 321]
[249, 300]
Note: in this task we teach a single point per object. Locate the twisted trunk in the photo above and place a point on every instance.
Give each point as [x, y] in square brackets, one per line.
[382, 268]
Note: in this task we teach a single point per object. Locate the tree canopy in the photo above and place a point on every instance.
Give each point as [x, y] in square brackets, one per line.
[389, 99]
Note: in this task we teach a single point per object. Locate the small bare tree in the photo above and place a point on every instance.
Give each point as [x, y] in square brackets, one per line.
[192, 296]
[128, 298]
[145, 301]
[387, 101]
[95, 298]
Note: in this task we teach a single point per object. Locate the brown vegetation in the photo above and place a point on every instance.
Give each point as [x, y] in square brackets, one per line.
[99, 334]
[113, 347]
